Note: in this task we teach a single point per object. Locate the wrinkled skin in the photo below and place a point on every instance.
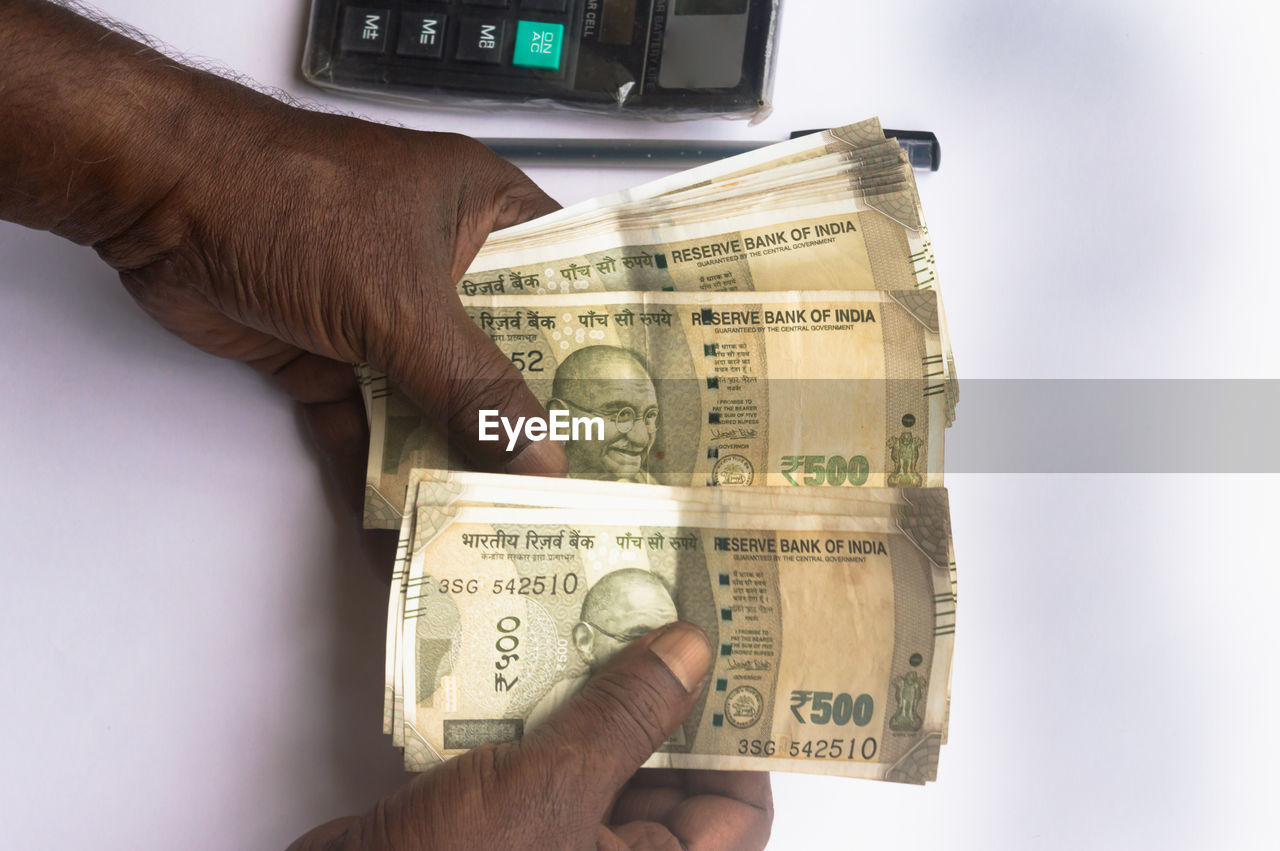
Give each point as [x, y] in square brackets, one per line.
[338, 241]
[572, 782]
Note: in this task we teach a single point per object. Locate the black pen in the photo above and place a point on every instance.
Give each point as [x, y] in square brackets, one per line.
[921, 146]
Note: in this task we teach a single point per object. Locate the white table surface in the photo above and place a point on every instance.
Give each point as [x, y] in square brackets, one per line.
[192, 638]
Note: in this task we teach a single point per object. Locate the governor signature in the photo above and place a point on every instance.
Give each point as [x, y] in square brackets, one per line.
[750, 665]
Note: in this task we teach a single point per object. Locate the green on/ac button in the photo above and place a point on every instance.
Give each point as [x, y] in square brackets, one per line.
[538, 45]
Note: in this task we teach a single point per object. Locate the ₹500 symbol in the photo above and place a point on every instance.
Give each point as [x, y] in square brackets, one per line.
[831, 708]
[833, 470]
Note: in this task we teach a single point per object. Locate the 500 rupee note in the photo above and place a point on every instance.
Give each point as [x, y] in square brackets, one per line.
[430, 490]
[796, 389]
[833, 634]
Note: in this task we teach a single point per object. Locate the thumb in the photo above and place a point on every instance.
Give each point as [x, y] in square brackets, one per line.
[624, 712]
[468, 374]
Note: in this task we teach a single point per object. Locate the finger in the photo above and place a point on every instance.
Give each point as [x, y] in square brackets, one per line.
[715, 822]
[340, 429]
[525, 202]
[750, 787]
[717, 809]
[624, 712]
[468, 374]
[646, 803]
[673, 777]
[644, 836]
[327, 389]
[500, 195]
[324, 836]
[309, 378]
[657, 794]
[306, 377]
[333, 412]
[341, 433]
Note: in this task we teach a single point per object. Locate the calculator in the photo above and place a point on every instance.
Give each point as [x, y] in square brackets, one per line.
[695, 56]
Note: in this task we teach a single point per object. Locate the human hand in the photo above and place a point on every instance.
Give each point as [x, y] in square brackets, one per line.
[295, 241]
[329, 240]
[572, 782]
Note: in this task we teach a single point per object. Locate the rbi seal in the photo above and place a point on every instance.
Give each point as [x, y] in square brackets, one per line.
[733, 470]
[743, 706]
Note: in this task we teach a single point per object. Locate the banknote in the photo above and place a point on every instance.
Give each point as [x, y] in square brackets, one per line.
[462, 488]
[367, 380]
[850, 137]
[509, 609]
[884, 185]
[862, 143]
[392, 706]
[881, 194]
[796, 389]
[833, 245]
[882, 240]
[769, 322]
[837, 245]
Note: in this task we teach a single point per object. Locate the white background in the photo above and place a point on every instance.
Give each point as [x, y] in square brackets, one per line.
[192, 633]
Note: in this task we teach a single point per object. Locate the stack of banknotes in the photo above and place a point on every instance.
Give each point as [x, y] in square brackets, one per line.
[761, 347]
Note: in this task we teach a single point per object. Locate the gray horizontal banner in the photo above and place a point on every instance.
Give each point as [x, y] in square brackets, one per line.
[1116, 426]
[1001, 425]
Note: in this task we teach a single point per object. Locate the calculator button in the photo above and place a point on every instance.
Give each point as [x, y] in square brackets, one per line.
[364, 30]
[538, 45]
[500, 4]
[421, 35]
[481, 39]
[545, 5]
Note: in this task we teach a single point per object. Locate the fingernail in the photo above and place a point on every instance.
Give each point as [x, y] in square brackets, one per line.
[686, 653]
[539, 458]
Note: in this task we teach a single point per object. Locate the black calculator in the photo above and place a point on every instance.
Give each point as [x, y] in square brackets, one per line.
[697, 56]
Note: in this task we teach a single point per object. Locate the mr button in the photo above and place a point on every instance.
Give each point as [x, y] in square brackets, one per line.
[538, 45]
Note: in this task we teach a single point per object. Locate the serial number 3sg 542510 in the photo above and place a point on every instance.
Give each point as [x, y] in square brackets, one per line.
[552, 585]
[850, 748]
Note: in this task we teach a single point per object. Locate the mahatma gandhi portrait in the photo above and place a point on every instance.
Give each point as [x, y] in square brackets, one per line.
[611, 383]
[623, 606]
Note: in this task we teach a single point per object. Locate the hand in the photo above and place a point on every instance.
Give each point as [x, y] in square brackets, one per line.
[572, 781]
[295, 241]
[312, 241]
